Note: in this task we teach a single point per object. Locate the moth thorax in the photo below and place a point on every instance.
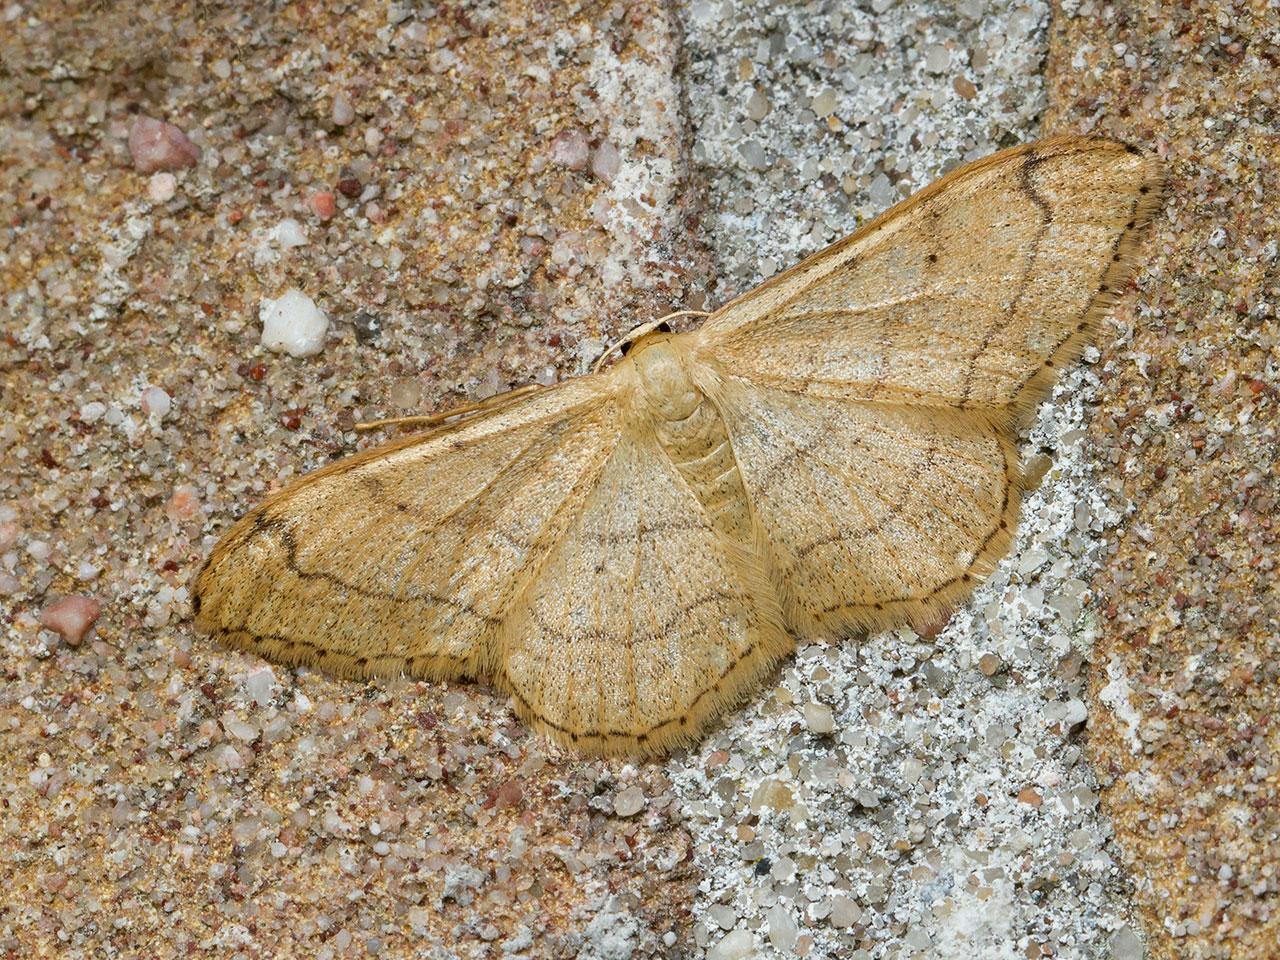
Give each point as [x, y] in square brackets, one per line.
[668, 389]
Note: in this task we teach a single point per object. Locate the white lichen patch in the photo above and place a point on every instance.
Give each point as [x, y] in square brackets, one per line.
[809, 123]
[1116, 695]
[635, 105]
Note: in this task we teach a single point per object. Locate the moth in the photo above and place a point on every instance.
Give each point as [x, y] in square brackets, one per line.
[627, 554]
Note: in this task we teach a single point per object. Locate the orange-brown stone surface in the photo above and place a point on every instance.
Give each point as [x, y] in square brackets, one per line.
[1187, 670]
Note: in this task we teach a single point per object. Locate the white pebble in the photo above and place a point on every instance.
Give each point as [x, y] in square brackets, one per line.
[91, 411]
[605, 162]
[818, 717]
[238, 728]
[162, 187]
[258, 686]
[570, 149]
[289, 233]
[1126, 945]
[628, 802]
[825, 103]
[736, 945]
[293, 323]
[1077, 712]
[753, 155]
[782, 928]
[845, 911]
[343, 112]
[156, 403]
[228, 759]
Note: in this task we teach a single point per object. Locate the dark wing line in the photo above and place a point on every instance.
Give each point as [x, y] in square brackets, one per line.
[539, 441]
[1028, 187]
[681, 718]
[966, 575]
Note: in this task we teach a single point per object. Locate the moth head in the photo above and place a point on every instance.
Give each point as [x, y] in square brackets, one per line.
[642, 331]
[635, 335]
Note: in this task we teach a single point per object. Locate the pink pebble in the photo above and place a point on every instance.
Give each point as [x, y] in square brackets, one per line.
[322, 204]
[71, 617]
[156, 145]
[570, 149]
[8, 535]
[605, 162]
[183, 505]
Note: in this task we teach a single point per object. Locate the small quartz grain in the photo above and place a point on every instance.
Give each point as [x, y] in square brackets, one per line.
[989, 664]
[845, 911]
[735, 945]
[818, 717]
[342, 112]
[571, 149]
[162, 187]
[605, 162]
[156, 403]
[628, 802]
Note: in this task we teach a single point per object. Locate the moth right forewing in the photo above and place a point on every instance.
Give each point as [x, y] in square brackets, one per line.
[424, 539]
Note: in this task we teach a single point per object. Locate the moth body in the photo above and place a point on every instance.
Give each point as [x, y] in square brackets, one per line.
[693, 434]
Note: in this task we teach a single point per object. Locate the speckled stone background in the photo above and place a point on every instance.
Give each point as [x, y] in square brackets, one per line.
[478, 196]
[906, 795]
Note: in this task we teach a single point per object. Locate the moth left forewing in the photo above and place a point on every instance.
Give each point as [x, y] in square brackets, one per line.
[967, 296]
